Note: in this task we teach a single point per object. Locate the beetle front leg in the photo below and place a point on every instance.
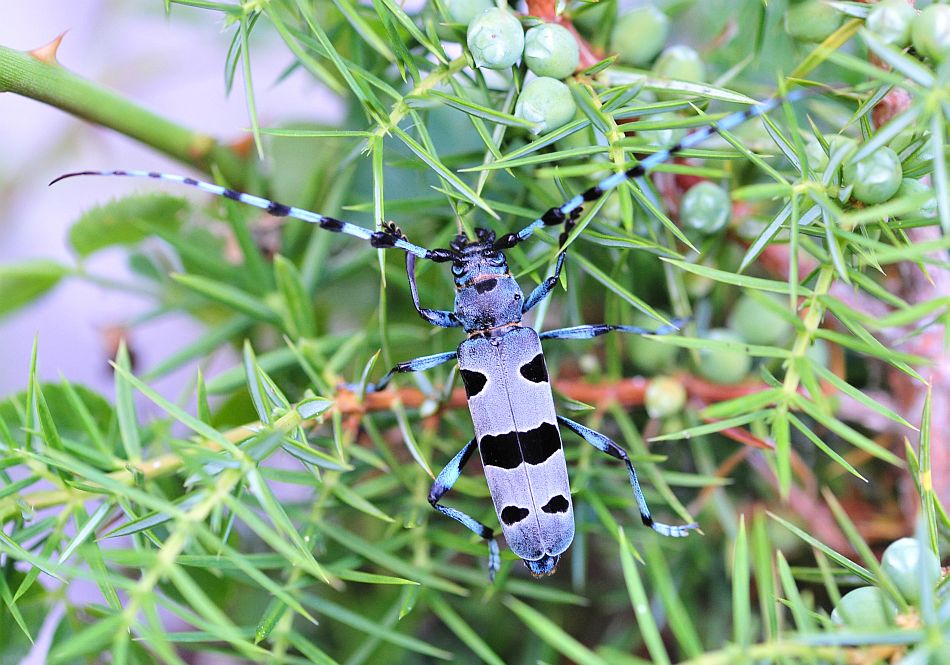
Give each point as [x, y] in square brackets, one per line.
[542, 290]
[604, 444]
[437, 317]
[443, 483]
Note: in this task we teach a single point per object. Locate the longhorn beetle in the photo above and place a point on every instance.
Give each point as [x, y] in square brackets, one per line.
[502, 364]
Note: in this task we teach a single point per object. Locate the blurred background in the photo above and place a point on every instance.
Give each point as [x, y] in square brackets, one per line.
[172, 66]
[374, 519]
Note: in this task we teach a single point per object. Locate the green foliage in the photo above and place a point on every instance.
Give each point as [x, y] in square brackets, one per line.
[269, 516]
[22, 283]
[126, 222]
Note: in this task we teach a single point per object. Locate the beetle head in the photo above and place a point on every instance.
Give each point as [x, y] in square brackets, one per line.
[477, 258]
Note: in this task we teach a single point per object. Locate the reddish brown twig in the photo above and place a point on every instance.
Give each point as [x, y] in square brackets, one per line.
[546, 10]
[626, 392]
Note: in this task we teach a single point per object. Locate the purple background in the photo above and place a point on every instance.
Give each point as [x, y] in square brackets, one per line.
[173, 66]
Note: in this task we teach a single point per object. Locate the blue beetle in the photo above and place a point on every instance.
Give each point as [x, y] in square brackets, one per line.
[502, 364]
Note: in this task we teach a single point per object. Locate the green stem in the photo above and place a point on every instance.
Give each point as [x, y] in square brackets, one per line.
[402, 107]
[804, 339]
[38, 76]
[156, 467]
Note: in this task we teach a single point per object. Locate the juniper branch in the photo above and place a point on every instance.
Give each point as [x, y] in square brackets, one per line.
[38, 75]
[628, 392]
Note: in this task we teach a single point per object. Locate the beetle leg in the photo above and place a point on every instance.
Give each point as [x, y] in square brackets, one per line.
[437, 317]
[414, 365]
[542, 290]
[598, 329]
[443, 483]
[604, 444]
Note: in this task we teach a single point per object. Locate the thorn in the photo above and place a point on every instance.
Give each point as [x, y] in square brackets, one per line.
[47, 52]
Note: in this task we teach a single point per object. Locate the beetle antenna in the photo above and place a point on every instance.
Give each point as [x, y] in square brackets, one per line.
[569, 212]
[386, 238]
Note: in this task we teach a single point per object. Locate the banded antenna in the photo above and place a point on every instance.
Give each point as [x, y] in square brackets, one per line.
[391, 237]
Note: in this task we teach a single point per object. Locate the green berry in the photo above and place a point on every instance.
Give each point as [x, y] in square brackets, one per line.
[639, 35]
[662, 138]
[874, 178]
[817, 157]
[819, 353]
[812, 20]
[644, 98]
[546, 102]
[757, 323]
[930, 32]
[699, 286]
[911, 187]
[496, 39]
[723, 365]
[551, 50]
[582, 138]
[890, 20]
[706, 207]
[665, 396]
[594, 15]
[448, 128]
[681, 63]
[903, 139]
[463, 11]
[866, 609]
[909, 565]
[648, 354]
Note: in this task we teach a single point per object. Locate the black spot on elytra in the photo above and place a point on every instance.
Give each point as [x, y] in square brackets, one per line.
[540, 443]
[474, 382]
[557, 504]
[500, 450]
[486, 285]
[535, 370]
[513, 514]
[505, 450]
